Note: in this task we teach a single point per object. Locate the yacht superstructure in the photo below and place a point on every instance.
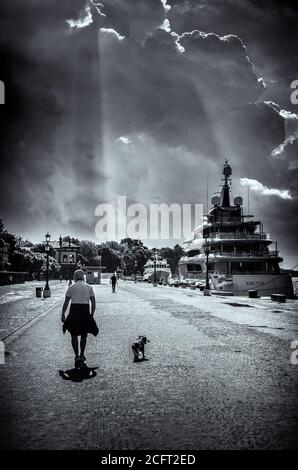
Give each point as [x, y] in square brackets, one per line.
[239, 253]
[157, 269]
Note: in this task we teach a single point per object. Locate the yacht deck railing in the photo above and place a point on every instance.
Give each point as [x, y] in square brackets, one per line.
[239, 236]
[233, 254]
[246, 254]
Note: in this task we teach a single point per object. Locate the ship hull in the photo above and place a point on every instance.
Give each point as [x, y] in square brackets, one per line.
[162, 275]
[265, 284]
[240, 284]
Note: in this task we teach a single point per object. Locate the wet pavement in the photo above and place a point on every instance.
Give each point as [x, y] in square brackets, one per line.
[213, 380]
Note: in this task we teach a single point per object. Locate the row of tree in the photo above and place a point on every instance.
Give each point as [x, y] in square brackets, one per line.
[24, 256]
[129, 255]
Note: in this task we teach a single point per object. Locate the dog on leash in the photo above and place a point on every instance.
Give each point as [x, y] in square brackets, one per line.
[138, 348]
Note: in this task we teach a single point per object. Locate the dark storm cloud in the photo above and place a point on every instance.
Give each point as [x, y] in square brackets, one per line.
[179, 98]
[134, 19]
[290, 153]
[133, 104]
[267, 27]
[280, 220]
[252, 131]
[51, 123]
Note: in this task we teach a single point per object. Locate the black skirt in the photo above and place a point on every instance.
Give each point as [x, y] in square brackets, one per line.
[79, 322]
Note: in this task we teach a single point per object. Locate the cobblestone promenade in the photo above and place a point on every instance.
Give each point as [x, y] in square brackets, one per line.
[212, 381]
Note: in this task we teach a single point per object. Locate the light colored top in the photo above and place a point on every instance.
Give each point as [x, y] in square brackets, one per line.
[80, 292]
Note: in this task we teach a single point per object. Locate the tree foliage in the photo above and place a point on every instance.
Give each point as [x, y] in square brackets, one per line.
[89, 253]
[129, 255]
[32, 262]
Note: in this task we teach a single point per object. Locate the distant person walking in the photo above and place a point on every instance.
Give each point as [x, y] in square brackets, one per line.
[60, 278]
[79, 321]
[113, 281]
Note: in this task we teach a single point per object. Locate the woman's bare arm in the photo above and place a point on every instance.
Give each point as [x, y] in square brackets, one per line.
[64, 308]
[93, 304]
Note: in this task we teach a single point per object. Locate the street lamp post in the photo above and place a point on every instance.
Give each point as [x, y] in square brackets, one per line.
[100, 258]
[136, 264]
[47, 290]
[70, 263]
[207, 251]
[155, 280]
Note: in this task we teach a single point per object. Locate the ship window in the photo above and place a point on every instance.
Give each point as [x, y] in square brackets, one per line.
[194, 268]
[193, 253]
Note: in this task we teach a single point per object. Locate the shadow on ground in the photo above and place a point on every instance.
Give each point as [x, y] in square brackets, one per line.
[75, 375]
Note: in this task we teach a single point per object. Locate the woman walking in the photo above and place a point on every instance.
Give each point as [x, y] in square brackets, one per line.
[79, 321]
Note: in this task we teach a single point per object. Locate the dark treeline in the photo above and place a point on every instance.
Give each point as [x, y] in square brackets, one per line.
[128, 255]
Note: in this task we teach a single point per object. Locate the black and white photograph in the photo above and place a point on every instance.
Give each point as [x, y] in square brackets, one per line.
[148, 228]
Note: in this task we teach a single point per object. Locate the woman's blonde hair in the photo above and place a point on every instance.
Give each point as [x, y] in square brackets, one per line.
[78, 275]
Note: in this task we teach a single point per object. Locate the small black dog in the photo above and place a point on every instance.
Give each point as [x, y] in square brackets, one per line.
[138, 347]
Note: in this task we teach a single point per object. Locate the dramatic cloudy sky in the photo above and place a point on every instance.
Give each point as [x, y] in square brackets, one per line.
[143, 98]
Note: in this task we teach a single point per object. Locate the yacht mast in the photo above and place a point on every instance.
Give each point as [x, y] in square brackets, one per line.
[248, 193]
[207, 192]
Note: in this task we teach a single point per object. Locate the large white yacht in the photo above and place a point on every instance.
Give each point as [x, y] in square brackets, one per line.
[157, 269]
[239, 258]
